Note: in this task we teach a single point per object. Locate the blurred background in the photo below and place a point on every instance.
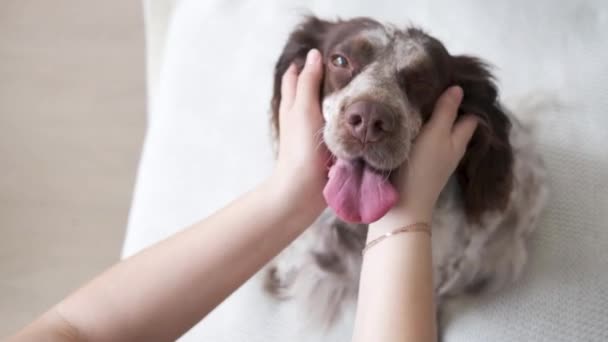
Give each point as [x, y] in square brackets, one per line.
[72, 119]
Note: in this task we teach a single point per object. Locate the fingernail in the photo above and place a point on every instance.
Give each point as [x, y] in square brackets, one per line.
[313, 57]
[455, 92]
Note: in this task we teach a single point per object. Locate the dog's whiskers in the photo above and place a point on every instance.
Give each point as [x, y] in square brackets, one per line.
[319, 136]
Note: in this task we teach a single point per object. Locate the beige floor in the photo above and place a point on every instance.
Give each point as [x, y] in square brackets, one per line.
[72, 110]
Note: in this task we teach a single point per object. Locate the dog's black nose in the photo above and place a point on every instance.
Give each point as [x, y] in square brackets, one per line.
[368, 121]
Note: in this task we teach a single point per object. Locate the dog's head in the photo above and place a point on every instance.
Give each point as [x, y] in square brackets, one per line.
[380, 86]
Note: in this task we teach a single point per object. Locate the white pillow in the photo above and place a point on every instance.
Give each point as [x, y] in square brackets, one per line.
[208, 141]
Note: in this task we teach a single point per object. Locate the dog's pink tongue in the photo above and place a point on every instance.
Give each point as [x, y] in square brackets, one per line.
[357, 193]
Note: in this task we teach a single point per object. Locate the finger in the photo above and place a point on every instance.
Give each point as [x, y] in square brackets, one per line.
[463, 131]
[446, 109]
[288, 88]
[309, 81]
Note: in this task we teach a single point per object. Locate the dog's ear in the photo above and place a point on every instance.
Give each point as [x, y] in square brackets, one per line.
[485, 173]
[308, 35]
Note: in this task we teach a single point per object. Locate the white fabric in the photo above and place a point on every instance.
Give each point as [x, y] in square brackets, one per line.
[156, 15]
[208, 141]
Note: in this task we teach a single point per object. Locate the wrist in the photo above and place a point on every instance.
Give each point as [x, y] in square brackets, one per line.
[292, 199]
[396, 218]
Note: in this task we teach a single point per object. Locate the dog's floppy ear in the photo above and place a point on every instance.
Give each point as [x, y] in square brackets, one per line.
[485, 173]
[308, 35]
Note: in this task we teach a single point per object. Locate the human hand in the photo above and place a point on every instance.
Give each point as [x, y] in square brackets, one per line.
[436, 153]
[301, 169]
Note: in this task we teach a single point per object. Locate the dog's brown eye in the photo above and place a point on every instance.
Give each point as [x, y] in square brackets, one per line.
[339, 61]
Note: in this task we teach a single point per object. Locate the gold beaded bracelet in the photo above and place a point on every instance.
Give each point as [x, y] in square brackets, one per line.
[416, 227]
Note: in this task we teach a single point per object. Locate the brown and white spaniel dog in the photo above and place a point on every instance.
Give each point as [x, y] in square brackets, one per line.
[380, 86]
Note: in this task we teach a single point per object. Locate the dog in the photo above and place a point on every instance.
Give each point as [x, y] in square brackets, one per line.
[380, 86]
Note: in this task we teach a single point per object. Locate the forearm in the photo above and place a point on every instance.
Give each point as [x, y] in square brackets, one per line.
[199, 268]
[396, 298]
[161, 292]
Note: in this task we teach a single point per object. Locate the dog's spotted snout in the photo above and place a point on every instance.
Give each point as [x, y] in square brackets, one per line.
[369, 121]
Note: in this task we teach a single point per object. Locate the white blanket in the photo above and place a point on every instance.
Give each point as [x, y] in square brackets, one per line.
[208, 141]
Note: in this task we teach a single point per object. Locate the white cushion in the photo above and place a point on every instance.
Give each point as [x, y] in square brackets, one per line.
[208, 141]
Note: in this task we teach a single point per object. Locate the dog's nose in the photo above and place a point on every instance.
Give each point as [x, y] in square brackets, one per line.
[368, 121]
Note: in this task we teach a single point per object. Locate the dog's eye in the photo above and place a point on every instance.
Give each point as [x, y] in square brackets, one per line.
[339, 61]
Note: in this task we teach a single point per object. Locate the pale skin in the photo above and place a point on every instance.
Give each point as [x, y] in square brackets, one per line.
[161, 292]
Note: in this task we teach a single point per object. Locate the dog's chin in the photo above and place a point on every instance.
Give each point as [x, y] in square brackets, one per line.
[386, 166]
[383, 157]
[383, 166]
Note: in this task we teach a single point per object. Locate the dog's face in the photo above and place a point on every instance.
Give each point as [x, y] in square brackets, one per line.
[380, 86]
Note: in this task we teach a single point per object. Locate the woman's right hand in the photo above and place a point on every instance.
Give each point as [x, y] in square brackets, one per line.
[435, 155]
